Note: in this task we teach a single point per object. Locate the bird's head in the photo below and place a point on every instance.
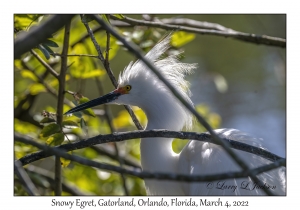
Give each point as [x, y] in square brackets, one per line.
[139, 86]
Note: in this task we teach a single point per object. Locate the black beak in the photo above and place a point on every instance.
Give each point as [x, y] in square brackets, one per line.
[95, 102]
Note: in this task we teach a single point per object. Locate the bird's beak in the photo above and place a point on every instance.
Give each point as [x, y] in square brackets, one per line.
[97, 101]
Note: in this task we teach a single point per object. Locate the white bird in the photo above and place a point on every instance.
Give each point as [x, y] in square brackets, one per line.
[138, 86]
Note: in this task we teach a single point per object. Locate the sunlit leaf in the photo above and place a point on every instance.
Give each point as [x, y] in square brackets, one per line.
[49, 130]
[37, 88]
[178, 144]
[56, 139]
[29, 74]
[22, 21]
[93, 73]
[119, 16]
[69, 124]
[47, 120]
[181, 38]
[24, 127]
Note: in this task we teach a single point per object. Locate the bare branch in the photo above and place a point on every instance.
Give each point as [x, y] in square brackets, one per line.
[148, 175]
[110, 73]
[253, 38]
[60, 103]
[117, 137]
[46, 65]
[194, 24]
[26, 41]
[24, 178]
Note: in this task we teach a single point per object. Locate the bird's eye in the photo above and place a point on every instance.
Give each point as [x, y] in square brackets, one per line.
[128, 87]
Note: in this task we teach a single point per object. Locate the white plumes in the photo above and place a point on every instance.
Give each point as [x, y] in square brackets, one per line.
[171, 68]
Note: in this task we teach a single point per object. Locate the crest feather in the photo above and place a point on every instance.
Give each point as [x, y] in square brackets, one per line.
[170, 67]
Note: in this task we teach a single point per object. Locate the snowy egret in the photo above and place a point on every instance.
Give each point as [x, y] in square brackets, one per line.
[138, 86]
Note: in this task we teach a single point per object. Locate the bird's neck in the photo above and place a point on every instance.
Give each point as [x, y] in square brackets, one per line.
[157, 153]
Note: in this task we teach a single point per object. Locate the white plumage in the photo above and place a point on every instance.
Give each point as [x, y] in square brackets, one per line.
[164, 111]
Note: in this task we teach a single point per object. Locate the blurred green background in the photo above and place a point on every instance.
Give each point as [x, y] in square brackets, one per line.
[237, 85]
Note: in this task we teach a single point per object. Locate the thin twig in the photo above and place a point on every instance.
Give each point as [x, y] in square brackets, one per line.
[46, 65]
[122, 136]
[110, 73]
[24, 178]
[60, 103]
[194, 23]
[253, 38]
[145, 174]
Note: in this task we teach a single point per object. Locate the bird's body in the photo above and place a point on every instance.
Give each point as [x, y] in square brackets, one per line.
[138, 86]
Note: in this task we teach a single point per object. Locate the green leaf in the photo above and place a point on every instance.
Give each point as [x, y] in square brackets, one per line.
[181, 38]
[77, 114]
[105, 18]
[119, 16]
[69, 124]
[48, 49]
[37, 88]
[55, 139]
[83, 125]
[44, 51]
[49, 130]
[83, 100]
[29, 74]
[50, 43]
[47, 120]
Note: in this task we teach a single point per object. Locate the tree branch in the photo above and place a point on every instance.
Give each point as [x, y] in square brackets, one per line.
[26, 41]
[60, 103]
[253, 38]
[46, 65]
[117, 137]
[147, 175]
[194, 24]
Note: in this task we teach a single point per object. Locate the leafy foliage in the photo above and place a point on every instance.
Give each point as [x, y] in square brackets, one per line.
[31, 95]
